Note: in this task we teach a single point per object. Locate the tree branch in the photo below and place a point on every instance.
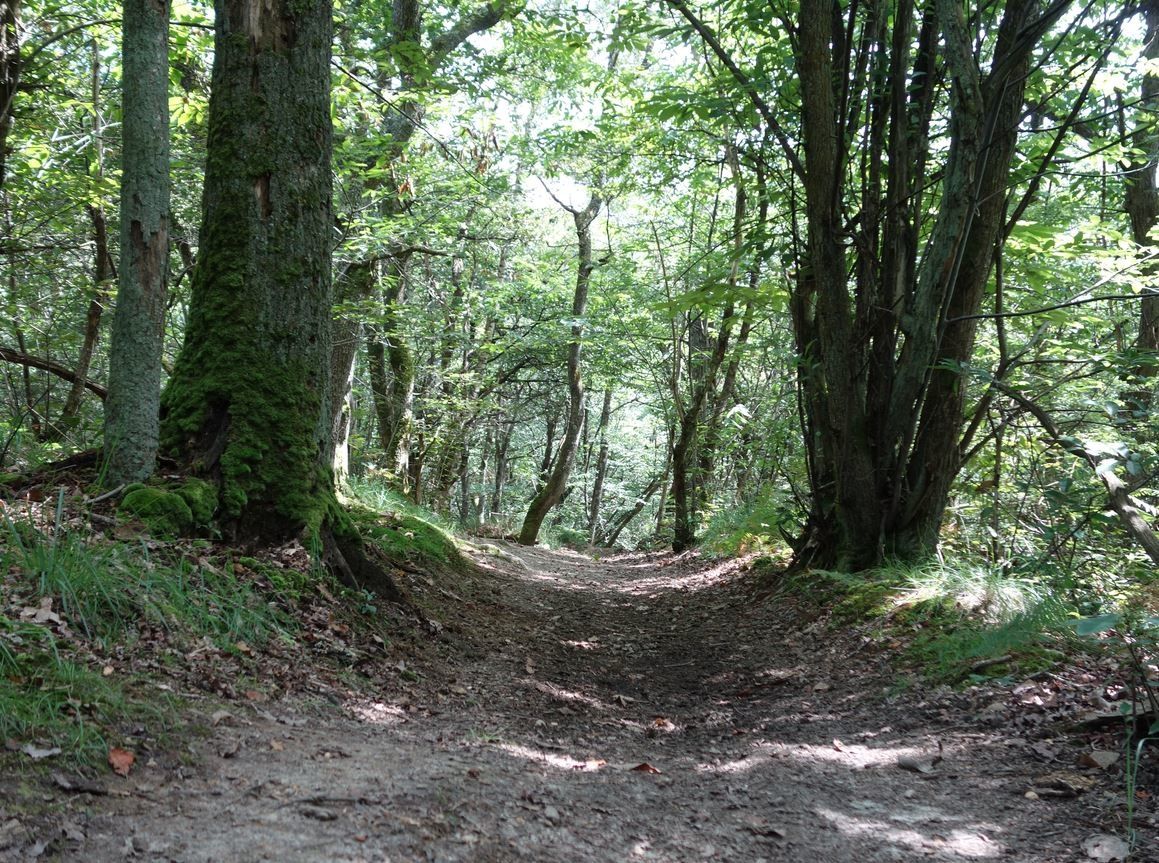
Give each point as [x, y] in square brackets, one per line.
[1125, 506]
[28, 361]
[744, 81]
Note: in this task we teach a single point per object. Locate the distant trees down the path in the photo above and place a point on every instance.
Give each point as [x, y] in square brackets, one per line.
[860, 281]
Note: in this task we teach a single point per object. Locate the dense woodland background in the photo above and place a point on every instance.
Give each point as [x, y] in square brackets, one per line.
[848, 281]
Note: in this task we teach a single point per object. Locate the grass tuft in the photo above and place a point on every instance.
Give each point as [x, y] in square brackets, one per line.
[67, 597]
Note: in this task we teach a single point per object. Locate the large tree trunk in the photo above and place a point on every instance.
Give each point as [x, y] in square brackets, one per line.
[883, 397]
[553, 489]
[248, 403]
[247, 406]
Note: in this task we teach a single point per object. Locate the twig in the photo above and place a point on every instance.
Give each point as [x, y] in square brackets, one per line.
[987, 663]
[105, 496]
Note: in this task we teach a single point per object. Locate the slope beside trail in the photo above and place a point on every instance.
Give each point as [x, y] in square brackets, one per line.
[641, 708]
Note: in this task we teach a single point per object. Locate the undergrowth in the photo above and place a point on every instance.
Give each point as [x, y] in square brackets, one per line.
[954, 621]
[69, 597]
[403, 531]
[734, 531]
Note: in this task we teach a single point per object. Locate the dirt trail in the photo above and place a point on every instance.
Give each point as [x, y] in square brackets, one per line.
[770, 740]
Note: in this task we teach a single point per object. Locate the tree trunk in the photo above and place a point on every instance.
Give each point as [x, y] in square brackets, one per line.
[392, 377]
[135, 348]
[103, 269]
[622, 519]
[601, 466]
[553, 489]
[355, 284]
[248, 402]
[10, 70]
[1141, 201]
[703, 367]
[882, 395]
[103, 272]
[501, 449]
[247, 406]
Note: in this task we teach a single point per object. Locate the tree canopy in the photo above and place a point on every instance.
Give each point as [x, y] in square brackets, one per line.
[852, 281]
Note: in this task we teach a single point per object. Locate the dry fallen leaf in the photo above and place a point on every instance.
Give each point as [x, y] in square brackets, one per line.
[646, 768]
[121, 760]
[1098, 758]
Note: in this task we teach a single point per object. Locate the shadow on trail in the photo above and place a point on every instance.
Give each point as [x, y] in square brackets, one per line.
[637, 708]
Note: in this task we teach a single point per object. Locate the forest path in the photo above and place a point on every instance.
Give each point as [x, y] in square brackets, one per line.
[764, 739]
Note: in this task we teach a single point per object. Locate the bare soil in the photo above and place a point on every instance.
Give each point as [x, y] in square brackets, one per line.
[637, 708]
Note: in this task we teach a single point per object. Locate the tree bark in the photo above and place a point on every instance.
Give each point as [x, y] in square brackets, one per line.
[1141, 201]
[601, 466]
[10, 70]
[553, 489]
[247, 405]
[882, 394]
[132, 410]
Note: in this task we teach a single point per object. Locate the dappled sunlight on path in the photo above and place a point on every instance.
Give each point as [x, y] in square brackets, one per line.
[639, 707]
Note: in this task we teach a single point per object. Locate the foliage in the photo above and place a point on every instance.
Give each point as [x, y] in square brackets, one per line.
[747, 528]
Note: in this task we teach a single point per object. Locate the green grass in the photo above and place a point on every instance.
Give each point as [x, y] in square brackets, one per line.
[48, 700]
[953, 617]
[106, 590]
[107, 594]
[404, 532]
[966, 615]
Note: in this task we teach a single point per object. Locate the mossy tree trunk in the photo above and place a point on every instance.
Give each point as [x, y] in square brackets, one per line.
[247, 405]
[133, 404]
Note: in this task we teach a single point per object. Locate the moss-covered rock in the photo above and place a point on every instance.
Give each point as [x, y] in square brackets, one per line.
[164, 513]
[201, 498]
